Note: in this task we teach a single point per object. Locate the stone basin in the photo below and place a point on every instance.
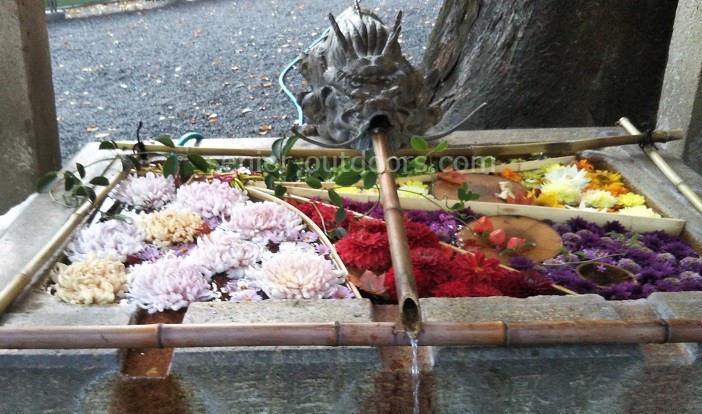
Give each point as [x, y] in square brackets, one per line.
[567, 378]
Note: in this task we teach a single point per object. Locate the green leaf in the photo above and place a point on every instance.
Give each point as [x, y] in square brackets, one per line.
[70, 180]
[340, 215]
[277, 149]
[270, 181]
[347, 178]
[291, 172]
[81, 170]
[44, 181]
[473, 196]
[84, 191]
[463, 192]
[358, 163]
[135, 162]
[108, 145]
[280, 191]
[419, 161]
[166, 140]
[102, 181]
[458, 206]
[199, 162]
[369, 179]
[443, 146]
[313, 182]
[340, 232]
[335, 198]
[288, 146]
[170, 166]
[186, 170]
[418, 143]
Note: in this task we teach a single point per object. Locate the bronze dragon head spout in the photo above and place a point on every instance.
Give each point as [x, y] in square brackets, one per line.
[358, 77]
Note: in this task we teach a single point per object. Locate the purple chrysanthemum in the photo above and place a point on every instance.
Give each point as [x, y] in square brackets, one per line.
[170, 283]
[520, 263]
[150, 253]
[693, 264]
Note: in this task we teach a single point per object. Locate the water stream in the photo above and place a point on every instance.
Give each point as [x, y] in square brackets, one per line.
[415, 371]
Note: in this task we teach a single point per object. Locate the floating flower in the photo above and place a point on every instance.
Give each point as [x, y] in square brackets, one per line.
[565, 191]
[365, 250]
[149, 192]
[93, 280]
[243, 284]
[420, 235]
[341, 292]
[169, 227]
[421, 280]
[260, 222]
[584, 164]
[508, 174]
[451, 289]
[323, 215]
[245, 296]
[547, 200]
[567, 174]
[170, 283]
[639, 211]
[298, 276]
[413, 189]
[631, 200]
[150, 253]
[209, 198]
[223, 251]
[524, 284]
[598, 199]
[601, 179]
[474, 269]
[109, 239]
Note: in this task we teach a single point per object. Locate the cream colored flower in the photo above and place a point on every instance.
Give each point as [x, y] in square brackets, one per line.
[598, 199]
[169, 227]
[631, 200]
[577, 178]
[413, 189]
[640, 211]
[566, 191]
[93, 280]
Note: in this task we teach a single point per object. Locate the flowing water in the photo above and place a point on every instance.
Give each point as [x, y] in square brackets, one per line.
[415, 371]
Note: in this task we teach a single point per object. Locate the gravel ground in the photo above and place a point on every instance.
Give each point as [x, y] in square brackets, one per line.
[209, 66]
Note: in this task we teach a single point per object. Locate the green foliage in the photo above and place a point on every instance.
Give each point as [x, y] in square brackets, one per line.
[45, 180]
[165, 140]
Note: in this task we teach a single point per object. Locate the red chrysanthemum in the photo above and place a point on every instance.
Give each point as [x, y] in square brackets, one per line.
[420, 235]
[318, 212]
[365, 250]
[474, 269]
[433, 262]
[524, 283]
[420, 279]
[483, 290]
[369, 225]
[451, 289]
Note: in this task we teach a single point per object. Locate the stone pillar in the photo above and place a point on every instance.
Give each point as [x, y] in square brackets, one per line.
[29, 143]
[681, 97]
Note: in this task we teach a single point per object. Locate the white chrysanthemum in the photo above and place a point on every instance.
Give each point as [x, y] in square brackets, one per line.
[631, 200]
[169, 283]
[90, 281]
[224, 251]
[566, 191]
[169, 227]
[639, 211]
[598, 199]
[298, 276]
[209, 199]
[111, 239]
[263, 222]
[149, 192]
[571, 173]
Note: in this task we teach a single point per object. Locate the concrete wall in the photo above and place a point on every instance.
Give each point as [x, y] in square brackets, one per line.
[28, 130]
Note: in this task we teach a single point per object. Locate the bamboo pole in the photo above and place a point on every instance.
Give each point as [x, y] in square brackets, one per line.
[674, 178]
[407, 297]
[24, 277]
[487, 333]
[497, 150]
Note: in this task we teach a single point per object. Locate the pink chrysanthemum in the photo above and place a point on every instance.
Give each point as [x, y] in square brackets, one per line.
[169, 283]
[149, 192]
[245, 296]
[209, 199]
[261, 222]
[111, 239]
[298, 276]
[224, 251]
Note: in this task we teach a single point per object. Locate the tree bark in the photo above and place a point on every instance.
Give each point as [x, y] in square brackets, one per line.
[549, 63]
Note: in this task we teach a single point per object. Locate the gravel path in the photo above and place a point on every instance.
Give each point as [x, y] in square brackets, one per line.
[206, 65]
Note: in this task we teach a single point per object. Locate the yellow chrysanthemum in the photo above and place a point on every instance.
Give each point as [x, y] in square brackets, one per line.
[565, 190]
[547, 200]
[602, 179]
[413, 189]
[631, 200]
[599, 199]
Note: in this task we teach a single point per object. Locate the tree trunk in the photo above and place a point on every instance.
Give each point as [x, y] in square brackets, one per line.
[549, 63]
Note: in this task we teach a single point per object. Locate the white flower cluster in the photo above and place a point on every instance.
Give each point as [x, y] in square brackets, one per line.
[111, 239]
[224, 251]
[264, 222]
[169, 283]
[567, 182]
[91, 281]
[298, 276]
[209, 199]
[149, 192]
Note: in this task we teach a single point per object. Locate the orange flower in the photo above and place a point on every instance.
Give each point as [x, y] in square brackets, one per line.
[584, 164]
[511, 175]
[617, 189]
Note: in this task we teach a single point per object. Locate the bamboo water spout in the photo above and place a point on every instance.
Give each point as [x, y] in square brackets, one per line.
[397, 237]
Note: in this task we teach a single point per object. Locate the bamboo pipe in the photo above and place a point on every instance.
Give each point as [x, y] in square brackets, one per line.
[24, 277]
[512, 149]
[674, 178]
[489, 333]
[407, 297]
